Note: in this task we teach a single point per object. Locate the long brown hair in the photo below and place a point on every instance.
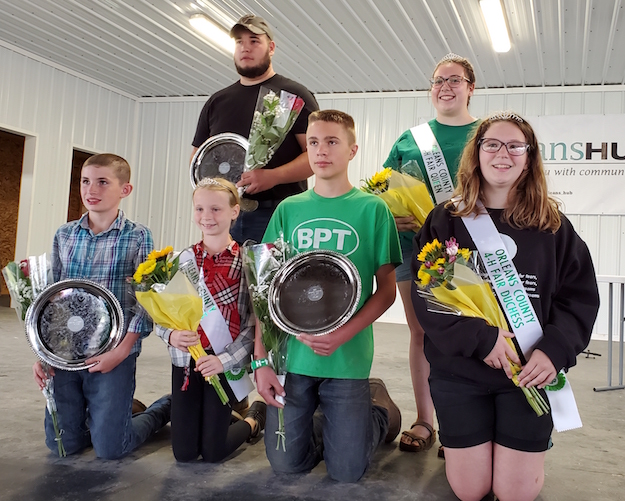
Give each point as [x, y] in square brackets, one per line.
[529, 203]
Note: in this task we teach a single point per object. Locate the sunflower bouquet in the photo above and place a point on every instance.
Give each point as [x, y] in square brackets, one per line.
[405, 194]
[157, 269]
[449, 284]
[172, 301]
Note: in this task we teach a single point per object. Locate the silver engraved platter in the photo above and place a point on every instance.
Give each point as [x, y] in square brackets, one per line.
[72, 321]
[315, 292]
[222, 155]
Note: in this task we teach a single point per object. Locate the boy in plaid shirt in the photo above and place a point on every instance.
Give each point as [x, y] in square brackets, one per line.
[95, 405]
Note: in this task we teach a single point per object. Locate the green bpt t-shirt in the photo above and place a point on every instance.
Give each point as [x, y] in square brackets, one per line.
[451, 139]
[358, 225]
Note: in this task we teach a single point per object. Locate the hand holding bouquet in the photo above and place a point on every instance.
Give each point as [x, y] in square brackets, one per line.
[449, 285]
[273, 119]
[25, 281]
[261, 262]
[172, 301]
[404, 194]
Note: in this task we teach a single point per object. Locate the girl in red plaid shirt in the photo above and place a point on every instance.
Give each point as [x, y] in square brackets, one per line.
[201, 425]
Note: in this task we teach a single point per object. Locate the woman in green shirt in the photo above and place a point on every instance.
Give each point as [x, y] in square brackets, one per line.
[453, 83]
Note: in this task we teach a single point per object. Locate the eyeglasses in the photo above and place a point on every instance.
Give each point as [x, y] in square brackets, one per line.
[452, 81]
[515, 148]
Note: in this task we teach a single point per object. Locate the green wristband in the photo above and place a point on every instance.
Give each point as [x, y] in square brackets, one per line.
[258, 363]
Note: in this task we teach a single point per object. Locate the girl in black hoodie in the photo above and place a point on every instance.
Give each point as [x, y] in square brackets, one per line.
[493, 439]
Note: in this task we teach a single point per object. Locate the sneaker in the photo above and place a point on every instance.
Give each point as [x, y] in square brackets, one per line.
[381, 398]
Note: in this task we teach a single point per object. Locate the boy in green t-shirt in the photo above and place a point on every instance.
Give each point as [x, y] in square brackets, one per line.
[331, 372]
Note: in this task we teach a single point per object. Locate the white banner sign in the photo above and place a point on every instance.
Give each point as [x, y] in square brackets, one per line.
[584, 158]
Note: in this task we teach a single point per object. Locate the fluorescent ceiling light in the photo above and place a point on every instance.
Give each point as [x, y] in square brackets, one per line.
[212, 31]
[493, 14]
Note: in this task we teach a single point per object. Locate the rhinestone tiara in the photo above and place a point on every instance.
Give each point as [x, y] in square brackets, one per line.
[505, 115]
[450, 57]
[207, 181]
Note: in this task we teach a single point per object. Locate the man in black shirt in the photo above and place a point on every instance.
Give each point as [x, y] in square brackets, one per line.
[232, 109]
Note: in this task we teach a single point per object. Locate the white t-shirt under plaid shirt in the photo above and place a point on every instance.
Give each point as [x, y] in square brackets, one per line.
[108, 258]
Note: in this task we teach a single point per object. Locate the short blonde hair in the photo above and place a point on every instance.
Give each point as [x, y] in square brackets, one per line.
[120, 166]
[220, 184]
[337, 117]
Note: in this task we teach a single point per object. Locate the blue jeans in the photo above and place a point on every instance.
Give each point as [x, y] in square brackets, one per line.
[330, 419]
[252, 225]
[403, 272]
[96, 409]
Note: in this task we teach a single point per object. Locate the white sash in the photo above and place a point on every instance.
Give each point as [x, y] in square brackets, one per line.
[214, 325]
[434, 161]
[518, 308]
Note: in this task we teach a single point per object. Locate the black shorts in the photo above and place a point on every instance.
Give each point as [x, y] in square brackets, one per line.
[471, 414]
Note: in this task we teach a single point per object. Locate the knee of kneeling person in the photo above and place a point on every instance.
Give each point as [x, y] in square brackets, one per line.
[185, 458]
[530, 490]
[346, 473]
[471, 491]
[110, 453]
[109, 449]
[281, 463]
[287, 467]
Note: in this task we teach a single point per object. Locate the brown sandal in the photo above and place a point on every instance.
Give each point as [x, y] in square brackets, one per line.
[422, 444]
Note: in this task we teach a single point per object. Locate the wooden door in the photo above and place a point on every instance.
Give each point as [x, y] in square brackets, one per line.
[11, 160]
[75, 208]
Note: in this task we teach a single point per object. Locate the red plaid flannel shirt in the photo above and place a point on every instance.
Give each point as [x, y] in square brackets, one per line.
[222, 276]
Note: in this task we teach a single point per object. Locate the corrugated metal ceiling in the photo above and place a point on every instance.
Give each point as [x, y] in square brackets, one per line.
[148, 49]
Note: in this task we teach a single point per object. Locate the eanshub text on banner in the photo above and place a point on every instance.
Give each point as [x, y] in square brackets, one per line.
[584, 159]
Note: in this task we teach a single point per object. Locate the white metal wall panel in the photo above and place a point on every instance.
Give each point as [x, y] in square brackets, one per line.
[162, 195]
[59, 112]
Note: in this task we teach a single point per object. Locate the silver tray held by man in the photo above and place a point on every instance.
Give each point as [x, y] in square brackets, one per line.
[222, 155]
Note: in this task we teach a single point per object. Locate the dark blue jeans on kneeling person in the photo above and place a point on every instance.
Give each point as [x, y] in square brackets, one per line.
[345, 433]
[96, 409]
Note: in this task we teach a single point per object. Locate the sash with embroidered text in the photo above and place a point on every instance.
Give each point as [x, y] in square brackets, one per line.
[214, 325]
[518, 308]
[434, 161]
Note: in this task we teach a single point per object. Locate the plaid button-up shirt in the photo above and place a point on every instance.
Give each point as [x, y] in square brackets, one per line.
[107, 258]
[224, 277]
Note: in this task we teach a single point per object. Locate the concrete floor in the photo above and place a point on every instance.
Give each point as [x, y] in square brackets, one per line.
[584, 464]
